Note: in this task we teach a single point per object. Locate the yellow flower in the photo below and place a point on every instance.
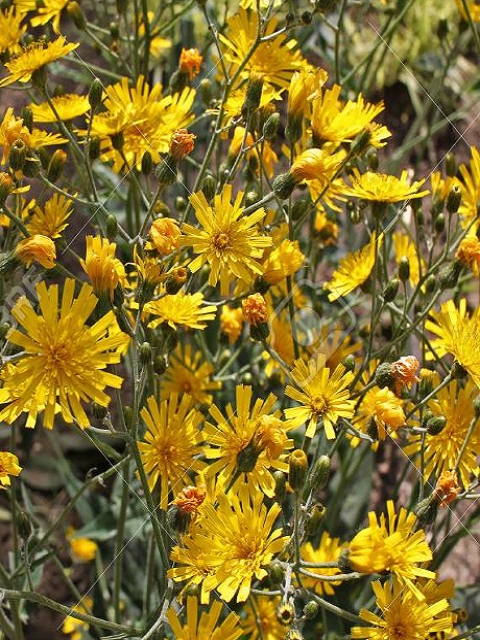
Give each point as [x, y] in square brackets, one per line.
[338, 122]
[104, 270]
[8, 467]
[328, 550]
[380, 187]
[305, 86]
[353, 269]
[164, 235]
[468, 252]
[403, 615]
[264, 154]
[473, 10]
[283, 261]
[440, 451]
[318, 165]
[262, 611]
[52, 219]
[231, 323]
[11, 30]
[322, 394]
[13, 129]
[75, 627]
[83, 549]
[63, 359]
[66, 107]
[228, 242]
[457, 333]
[205, 627]
[248, 443]
[274, 60]
[172, 443]
[187, 374]
[184, 309]
[37, 248]
[48, 10]
[397, 547]
[34, 57]
[383, 408]
[280, 339]
[470, 188]
[325, 228]
[143, 118]
[231, 544]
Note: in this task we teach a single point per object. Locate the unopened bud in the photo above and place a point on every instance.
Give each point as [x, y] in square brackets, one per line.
[384, 375]
[320, 473]
[27, 116]
[270, 127]
[457, 371]
[111, 225]
[426, 511]
[147, 163]
[299, 209]
[94, 147]
[448, 277]
[77, 15]
[175, 280]
[313, 519]
[145, 353]
[391, 289]
[95, 94]
[454, 199]
[24, 525]
[349, 362]
[206, 91]
[178, 520]
[160, 365]
[404, 269]
[297, 470]
[18, 155]
[166, 171]
[439, 223]
[436, 425]
[311, 610]
[283, 185]
[253, 94]
[280, 486]
[276, 572]
[209, 187]
[450, 165]
[56, 166]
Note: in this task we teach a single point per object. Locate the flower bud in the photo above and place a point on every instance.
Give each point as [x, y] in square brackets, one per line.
[276, 572]
[391, 289]
[283, 185]
[145, 354]
[476, 406]
[314, 519]
[111, 225]
[454, 199]
[160, 365]
[384, 375]
[166, 171]
[206, 91]
[209, 187]
[371, 157]
[299, 209]
[6, 186]
[457, 371]
[349, 362]
[297, 470]
[18, 155]
[439, 223]
[175, 280]
[450, 165]
[320, 473]
[95, 94]
[253, 94]
[56, 165]
[270, 127]
[436, 425]
[77, 15]
[178, 520]
[247, 458]
[94, 147]
[147, 163]
[24, 525]
[430, 284]
[311, 610]
[426, 511]
[448, 277]
[117, 140]
[27, 117]
[404, 269]
[280, 486]
[98, 411]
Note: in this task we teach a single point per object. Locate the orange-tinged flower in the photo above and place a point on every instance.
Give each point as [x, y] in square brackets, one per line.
[164, 235]
[190, 499]
[190, 62]
[447, 488]
[404, 372]
[254, 309]
[37, 248]
[104, 270]
[181, 144]
[468, 252]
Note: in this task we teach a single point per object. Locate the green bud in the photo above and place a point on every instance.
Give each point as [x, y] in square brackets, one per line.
[430, 284]
[311, 610]
[450, 165]
[448, 277]
[147, 163]
[458, 371]
[306, 17]
[27, 117]
[391, 289]
[454, 199]
[371, 157]
[300, 208]
[117, 140]
[166, 171]
[251, 197]
[206, 91]
[276, 572]
[160, 365]
[294, 128]
[95, 94]
[114, 30]
[280, 486]
[297, 470]
[313, 519]
[94, 148]
[436, 425]
[180, 204]
[260, 286]
[56, 165]
[209, 187]
[439, 224]
[98, 411]
[253, 94]
[259, 332]
[383, 375]
[426, 511]
[77, 15]
[361, 142]
[145, 354]
[178, 520]
[349, 362]
[283, 185]
[320, 473]
[18, 155]
[24, 525]
[247, 458]
[404, 269]
[270, 127]
[476, 406]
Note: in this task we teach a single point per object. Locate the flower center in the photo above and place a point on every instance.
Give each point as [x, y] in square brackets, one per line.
[220, 241]
[318, 405]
